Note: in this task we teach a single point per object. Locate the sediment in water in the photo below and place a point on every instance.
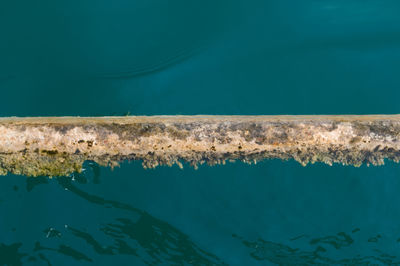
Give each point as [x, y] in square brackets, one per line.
[58, 146]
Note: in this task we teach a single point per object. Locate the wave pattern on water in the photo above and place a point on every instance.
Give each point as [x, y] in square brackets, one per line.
[281, 254]
[136, 234]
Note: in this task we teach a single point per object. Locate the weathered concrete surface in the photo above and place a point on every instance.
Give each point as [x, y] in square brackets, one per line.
[55, 146]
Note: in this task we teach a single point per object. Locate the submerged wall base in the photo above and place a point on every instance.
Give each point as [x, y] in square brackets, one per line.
[58, 146]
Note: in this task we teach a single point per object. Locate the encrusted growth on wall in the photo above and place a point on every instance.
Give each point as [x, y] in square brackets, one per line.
[59, 146]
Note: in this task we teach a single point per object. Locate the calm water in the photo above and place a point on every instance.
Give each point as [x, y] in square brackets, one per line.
[93, 58]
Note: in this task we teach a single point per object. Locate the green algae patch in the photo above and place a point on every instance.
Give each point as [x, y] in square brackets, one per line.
[32, 164]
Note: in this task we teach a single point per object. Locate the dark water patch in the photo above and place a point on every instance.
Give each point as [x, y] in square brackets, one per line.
[31, 183]
[374, 239]
[64, 250]
[66, 183]
[45, 259]
[10, 254]
[298, 237]
[338, 241]
[281, 254]
[96, 172]
[91, 241]
[161, 241]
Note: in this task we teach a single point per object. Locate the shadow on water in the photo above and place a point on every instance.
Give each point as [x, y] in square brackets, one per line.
[154, 242]
[280, 254]
[138, 234]
[10, 255]
[161, 241]
[64, 250]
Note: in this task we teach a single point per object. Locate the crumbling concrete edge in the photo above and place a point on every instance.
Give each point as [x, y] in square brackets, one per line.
[58, 146]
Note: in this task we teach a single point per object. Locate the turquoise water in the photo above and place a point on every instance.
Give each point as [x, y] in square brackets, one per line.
[93, 58]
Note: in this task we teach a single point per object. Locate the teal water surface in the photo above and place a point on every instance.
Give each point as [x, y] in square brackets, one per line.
[95, 58]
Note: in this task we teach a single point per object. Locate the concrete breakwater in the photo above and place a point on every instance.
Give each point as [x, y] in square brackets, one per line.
[57, 146]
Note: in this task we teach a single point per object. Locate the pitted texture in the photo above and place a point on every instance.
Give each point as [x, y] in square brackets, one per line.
[59, 146]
